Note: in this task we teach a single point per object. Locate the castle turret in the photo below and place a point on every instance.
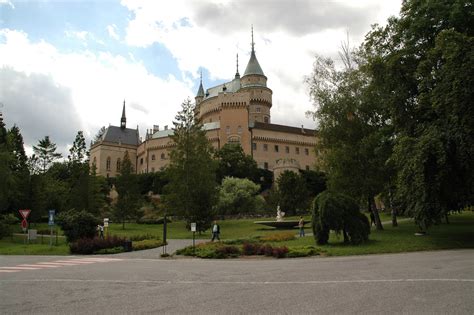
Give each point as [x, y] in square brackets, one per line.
[253, 75]
[200, 94]
[123, 120]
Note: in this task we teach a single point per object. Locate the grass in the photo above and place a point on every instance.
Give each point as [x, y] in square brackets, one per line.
[458, 234]
[16, 246]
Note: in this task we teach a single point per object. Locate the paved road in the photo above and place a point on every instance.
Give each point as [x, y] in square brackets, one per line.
[429, 282]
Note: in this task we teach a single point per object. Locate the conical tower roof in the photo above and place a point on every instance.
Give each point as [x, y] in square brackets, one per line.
[200, 92]
[253, 67]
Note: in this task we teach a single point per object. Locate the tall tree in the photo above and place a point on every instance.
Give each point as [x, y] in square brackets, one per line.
[238, 196]
[46, 153]
[128, 202]
[293, 193]
[422, 64]
[6, 160]
[191, 191]
[354, 130]
[78, 152]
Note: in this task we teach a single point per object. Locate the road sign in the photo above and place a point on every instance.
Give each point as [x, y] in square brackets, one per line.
[106, 222]
[24, 225]
[25, 213]
[51, 217]
[193, 227]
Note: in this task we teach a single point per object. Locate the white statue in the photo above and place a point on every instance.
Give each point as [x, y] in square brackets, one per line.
[280, 214]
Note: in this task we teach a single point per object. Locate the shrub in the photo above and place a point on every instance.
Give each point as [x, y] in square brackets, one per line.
[250, 249]
[77, 224]
[280, 252]
[141, 237]
[113, 250]
[6, 223]
[146, 244]
[303, 251]
[228, 251]
[88, 246]
[279, 237]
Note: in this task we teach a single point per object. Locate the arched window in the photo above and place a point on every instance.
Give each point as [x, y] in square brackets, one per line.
[119, 165]
[265, 119]
[153, 157]
[239, 129]
[227, 130]
[163, 156]
[234, 140]
[107, 165]
[94, 161]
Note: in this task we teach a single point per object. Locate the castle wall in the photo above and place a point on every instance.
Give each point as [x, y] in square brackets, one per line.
[100, 153]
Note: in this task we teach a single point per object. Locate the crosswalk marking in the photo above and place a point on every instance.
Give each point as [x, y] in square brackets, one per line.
[57, 264]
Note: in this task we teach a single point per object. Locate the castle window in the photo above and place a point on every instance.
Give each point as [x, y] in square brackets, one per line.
[297, 150]
[265, 165]
[119, 164]
[141, 161]
[95, 161]
[254, 146]
[258, 109]
[306, 151]
[265, 147]
[276, 148]
[287, 149]
[239, 129]
[265, 119]
[163, 156]
[107, 165]
[153, 157]
[227, 130]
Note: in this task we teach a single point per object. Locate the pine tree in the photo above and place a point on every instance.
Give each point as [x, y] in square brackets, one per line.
[191, 191]
[78, 151]
[45, 153]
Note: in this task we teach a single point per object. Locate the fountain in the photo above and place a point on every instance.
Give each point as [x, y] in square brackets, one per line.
[280, 223]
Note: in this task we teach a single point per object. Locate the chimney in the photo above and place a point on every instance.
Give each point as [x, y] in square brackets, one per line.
[166, 127]
[302, 129]
[156, 128]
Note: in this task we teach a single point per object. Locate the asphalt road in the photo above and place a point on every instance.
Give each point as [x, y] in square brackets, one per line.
[419, 283]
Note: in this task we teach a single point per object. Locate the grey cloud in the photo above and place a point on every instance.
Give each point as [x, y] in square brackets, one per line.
[139, 108]
[299, 17]
[39, 107]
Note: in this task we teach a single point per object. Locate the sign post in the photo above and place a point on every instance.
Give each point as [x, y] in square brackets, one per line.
[164, 233]
[106, 226]
[24, 223]
[193, 229]
[51, 225]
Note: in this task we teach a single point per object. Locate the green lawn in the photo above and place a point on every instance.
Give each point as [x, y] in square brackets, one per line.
[458, 234]
[16, 246]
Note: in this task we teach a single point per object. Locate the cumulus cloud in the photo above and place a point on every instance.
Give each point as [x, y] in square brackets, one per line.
[7, 2]
[112, 30]
[39, 106]
[97, 82]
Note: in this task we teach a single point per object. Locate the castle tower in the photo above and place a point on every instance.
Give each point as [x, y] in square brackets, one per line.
[254, 82]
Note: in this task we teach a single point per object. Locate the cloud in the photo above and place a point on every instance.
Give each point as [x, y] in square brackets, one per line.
[97, 82]
[39, 106]
[7, 2]
[296, 17]
[112, 30]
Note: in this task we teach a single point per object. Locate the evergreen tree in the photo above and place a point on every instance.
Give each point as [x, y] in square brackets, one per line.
[6, 161]
[191, 191]
[293, 193]
[78, 152]
[45, 153]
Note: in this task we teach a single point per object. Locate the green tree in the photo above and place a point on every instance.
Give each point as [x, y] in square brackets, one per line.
[293, 194]
[354, 129]
[6, 161]
[191, 191]
[239, 196]
[128, 203]
[45, 153]
[233, 162]
[422, 64]
[78, 152]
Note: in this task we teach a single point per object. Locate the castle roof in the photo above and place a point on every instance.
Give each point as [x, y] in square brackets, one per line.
[121, 135]
[283, 128]
[253, 67]
[229, 87]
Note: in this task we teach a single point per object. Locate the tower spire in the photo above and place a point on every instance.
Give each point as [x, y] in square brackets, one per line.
[253, 44]
[123, 120]
[200, 93]
[237, 74]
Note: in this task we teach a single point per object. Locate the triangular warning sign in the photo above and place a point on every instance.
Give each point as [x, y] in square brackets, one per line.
[25, 213]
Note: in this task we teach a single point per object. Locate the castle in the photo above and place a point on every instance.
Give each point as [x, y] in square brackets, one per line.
[238, 111]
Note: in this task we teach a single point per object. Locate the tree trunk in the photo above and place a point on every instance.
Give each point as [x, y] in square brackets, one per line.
[393, 210]
[373, 209]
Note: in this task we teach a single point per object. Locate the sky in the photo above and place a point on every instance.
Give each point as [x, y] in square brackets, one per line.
[69, 65]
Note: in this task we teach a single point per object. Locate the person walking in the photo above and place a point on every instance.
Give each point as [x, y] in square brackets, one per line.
[301, 226]
[216, 230]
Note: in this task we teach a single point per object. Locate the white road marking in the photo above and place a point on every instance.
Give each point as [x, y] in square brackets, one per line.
[19, 268]
[245, 282]
[58, 263]
[38, 265]
[2, 270]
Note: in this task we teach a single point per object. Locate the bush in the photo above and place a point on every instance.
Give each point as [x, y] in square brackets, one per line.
[280, 252]
[77, 225]
[146, 244]
[88, 246]
[279, 237]
[227, 251]
[113, 250]
[250, 249]
[6, 223]
[303, 251]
